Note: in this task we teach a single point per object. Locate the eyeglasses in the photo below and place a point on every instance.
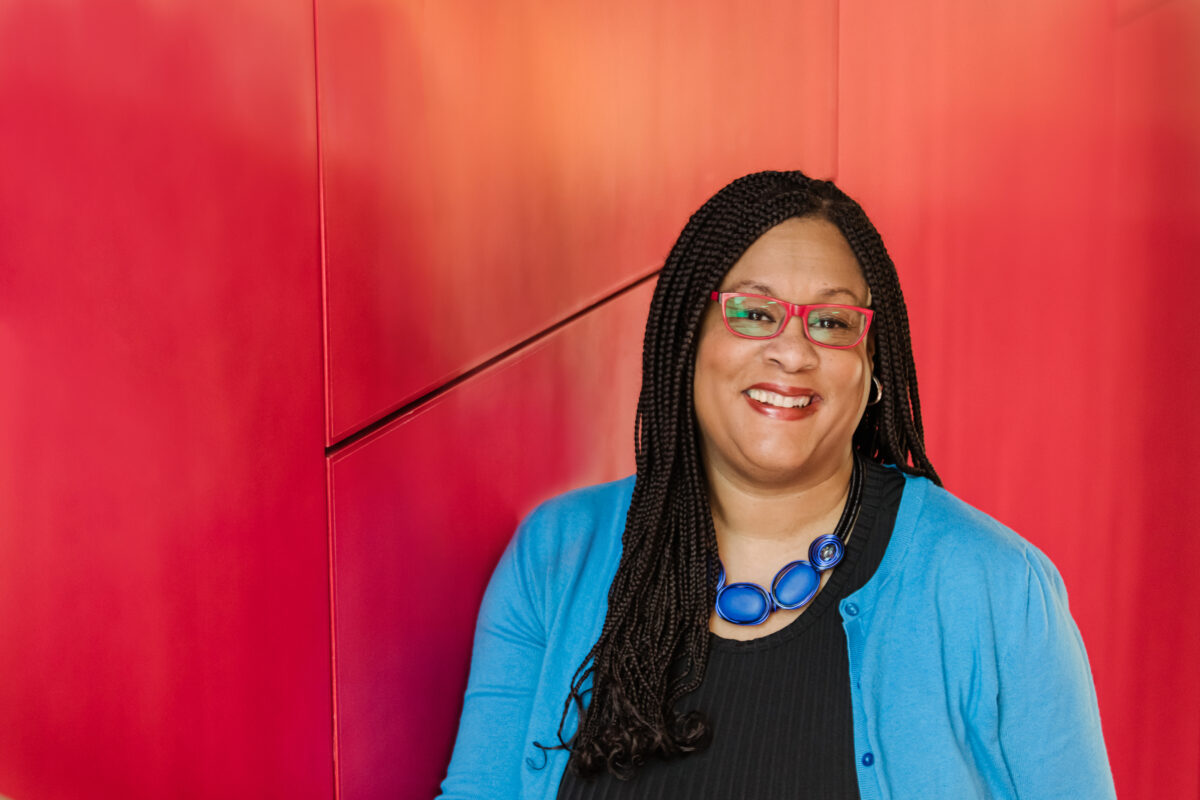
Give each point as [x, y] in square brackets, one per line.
[756, 316]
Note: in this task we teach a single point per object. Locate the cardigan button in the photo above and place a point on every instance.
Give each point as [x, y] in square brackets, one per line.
[868, 759]
[851, 610]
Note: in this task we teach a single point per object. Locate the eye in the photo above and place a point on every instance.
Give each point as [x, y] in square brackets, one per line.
[753, 316]
[836, 326]
[830, 319]
[759, 314]
[753, 310]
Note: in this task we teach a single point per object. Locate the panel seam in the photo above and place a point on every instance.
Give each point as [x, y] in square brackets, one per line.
[416, 404]
[323, 260]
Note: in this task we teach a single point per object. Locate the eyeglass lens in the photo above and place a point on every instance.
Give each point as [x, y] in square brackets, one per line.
[760, 317]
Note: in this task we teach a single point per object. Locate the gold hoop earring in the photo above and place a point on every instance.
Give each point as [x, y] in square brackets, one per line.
[879, 387]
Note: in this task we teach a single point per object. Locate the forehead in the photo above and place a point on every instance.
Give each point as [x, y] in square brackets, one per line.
[796, 260]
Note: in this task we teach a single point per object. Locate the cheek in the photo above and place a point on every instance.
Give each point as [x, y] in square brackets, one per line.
[720, 358]
[855, 377]
[717, 358]
[842, 373]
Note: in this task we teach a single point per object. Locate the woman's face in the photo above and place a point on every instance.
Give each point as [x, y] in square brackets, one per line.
[805, 260]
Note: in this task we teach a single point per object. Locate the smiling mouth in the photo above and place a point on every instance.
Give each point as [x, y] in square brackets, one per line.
[779, 400]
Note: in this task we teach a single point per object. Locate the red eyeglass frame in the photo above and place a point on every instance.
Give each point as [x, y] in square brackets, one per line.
[793, 310]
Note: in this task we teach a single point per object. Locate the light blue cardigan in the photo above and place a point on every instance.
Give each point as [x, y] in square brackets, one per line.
[967, 673]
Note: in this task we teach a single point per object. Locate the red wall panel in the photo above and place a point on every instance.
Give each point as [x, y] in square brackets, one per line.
[523, 159]
[1153, 226]
[163, 552]
[984, 153]
[1033, 170]
[421, 512]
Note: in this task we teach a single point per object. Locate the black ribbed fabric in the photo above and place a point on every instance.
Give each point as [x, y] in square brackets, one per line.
[779, 705]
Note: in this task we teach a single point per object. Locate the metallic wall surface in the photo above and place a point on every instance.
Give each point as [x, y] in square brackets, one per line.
[1035, 171]
[305, 303]
[164, 620]
[1153, 226]
[515, 163]
[518, 161]
[421, 512]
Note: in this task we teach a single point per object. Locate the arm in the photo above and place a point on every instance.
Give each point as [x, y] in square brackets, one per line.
[1049, 720]
[506, 660]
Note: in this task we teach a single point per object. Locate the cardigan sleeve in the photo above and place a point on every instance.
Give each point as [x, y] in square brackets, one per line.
[506, 660]
[1049, 721]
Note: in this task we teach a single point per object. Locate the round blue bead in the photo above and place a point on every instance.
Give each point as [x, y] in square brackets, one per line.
[743, 604]
[795, 584]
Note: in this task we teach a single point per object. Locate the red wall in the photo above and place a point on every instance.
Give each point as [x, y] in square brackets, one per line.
[522, 160]
[519, 162]
[1035, 170]
[250, 489]
[164, 621]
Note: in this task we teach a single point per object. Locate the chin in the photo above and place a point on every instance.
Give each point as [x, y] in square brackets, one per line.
[776, 469]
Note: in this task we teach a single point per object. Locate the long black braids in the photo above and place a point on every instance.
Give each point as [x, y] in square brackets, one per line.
[653, 648]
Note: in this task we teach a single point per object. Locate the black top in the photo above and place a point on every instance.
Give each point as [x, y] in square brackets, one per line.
[779, 706]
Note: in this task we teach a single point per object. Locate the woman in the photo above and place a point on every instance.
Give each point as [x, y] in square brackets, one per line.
[782, 602]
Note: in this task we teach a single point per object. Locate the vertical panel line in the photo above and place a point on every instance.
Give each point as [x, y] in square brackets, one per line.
[323, 260]
[333, 693]
[322, 246]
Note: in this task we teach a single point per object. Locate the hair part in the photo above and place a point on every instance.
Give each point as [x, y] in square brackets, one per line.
[653, 648]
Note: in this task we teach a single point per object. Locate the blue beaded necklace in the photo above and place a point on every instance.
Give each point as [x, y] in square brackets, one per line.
[796, 584]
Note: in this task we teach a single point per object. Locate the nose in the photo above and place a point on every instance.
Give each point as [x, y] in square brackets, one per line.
[791, 350]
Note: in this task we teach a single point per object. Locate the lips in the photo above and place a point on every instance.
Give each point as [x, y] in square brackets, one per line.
[782, 402]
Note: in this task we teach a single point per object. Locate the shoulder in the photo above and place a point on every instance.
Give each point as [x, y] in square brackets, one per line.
[576, 514]
[584, 506]
[574, 528]
[963, 547]
[955, 529]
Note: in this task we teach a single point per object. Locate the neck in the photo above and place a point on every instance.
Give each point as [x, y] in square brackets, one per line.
[753, 518]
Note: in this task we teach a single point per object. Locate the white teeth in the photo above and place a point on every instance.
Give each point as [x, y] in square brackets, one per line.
[783, 401]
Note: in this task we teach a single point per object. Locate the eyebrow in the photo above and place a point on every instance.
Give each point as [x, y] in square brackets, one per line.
[836, 290]
[762, 288]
